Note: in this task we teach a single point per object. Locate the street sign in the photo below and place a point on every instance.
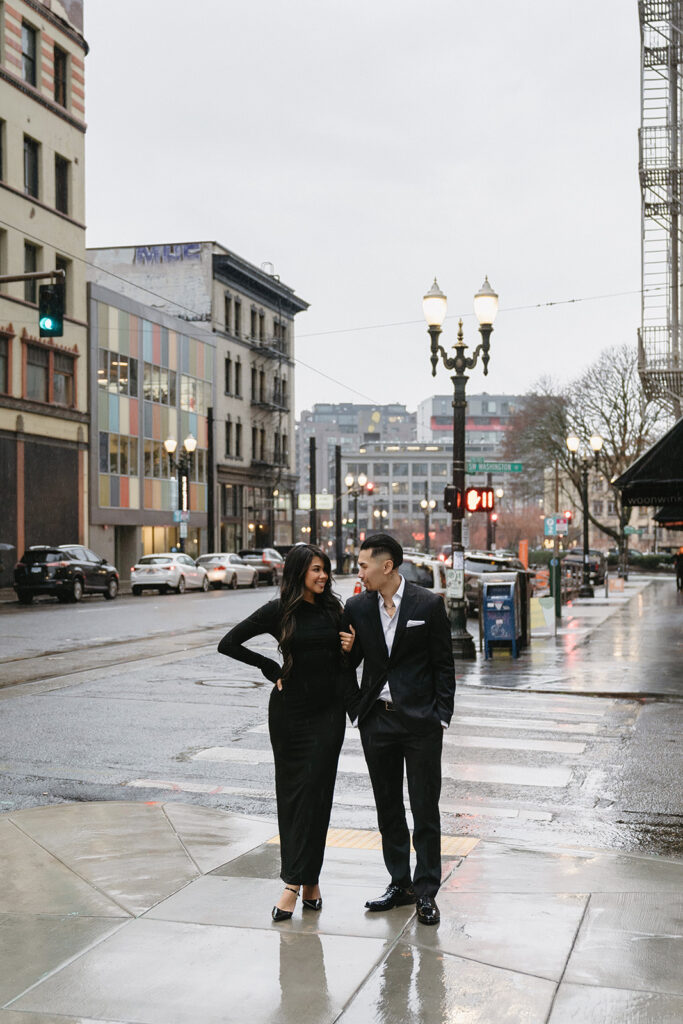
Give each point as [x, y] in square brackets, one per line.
[630, 530]
[181, 515]
[323, 502]
[482, 466]
[556, 525]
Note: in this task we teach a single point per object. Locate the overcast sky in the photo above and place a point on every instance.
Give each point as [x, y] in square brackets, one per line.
[364, 146]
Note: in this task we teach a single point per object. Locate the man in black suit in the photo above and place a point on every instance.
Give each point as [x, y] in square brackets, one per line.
[403, 704]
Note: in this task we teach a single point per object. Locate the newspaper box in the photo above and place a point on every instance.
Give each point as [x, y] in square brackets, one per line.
[501, 611]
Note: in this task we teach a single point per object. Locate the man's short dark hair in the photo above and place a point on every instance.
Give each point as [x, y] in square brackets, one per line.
[383, 544]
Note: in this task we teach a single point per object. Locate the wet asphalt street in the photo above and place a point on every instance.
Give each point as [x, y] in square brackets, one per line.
[577, 742]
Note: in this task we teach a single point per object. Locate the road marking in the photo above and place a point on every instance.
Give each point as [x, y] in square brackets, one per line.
[531, 724]
[500, 774]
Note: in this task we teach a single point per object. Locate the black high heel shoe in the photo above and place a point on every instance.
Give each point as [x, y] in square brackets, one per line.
[312, 904]
[284, 915]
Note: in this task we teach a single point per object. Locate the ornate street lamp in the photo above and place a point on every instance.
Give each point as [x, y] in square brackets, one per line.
[427, 505]
[355, 486]
[584, 462]
[485, 307]
[182, 466]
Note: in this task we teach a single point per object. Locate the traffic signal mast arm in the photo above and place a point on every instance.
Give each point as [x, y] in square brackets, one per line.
[35, 275]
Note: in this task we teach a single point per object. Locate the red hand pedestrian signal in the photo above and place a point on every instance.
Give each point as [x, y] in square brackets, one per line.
[479, 499]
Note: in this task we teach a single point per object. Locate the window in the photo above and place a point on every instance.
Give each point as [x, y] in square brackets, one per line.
[31, 158]
[399, 487]
[439, 469]
[276, 448]
[611, 508]
[228, 438]
[228, 375]
[63, 380]
[238, 440]
[254, 323]
[597, 508]
[284, 391]
[420, 469]
[285, 450]
[253, 383]
[227, 311]
[254, 444]
[37, 364]
[238, 318]
[261, 386]
[60, 65]
[28, 53]
[238, 379]
[400, 469]
[263, 445]
[30, 267]
[2, 150]
[4, 365]
[261, 326]
[61, 184]
[381, 469]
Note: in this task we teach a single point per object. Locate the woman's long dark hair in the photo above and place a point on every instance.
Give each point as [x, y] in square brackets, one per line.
[297, 563]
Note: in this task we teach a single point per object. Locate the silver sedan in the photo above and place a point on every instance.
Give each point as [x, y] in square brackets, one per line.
[226, 569]
[168, 571]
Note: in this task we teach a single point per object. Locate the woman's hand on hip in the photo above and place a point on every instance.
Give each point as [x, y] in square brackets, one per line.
[347, 639]
[278, 684]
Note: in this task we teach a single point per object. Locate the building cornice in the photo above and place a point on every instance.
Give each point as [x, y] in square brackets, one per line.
[230, 270]
[59, 23]
[34, 94]
[53, 412]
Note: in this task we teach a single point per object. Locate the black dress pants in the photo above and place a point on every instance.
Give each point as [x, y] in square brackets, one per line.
[388, 746]
[306, 745]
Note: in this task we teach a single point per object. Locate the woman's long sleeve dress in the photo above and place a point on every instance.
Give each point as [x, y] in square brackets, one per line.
[306, 722]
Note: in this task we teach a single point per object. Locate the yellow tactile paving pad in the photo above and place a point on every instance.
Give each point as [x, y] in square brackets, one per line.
[360, 839]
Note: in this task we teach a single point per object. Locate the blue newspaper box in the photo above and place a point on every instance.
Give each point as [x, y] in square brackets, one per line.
[501, 612]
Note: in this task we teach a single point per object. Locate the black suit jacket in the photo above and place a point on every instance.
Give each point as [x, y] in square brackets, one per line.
[420, 668]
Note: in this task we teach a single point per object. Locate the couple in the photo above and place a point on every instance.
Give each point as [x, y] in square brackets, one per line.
[403, 704]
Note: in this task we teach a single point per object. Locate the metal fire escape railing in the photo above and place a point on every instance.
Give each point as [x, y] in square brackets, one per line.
[660, 348]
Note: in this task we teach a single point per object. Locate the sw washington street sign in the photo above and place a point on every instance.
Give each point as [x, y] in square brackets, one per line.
[481, 466]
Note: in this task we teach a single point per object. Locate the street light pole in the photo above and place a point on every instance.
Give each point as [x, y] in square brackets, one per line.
[427, 505]
[355, 486]
[182, 466]
[573, 444]
[485, 308]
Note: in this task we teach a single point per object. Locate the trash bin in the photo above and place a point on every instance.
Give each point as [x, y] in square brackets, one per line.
[501, 611]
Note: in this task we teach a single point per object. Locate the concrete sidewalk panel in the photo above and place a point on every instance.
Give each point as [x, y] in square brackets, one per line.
[631, 940]
[529, 933]
[214, 837]
[361, 868]
[11, 1017]
[501, 867]
[129, 851]
[415, 984]
[33, 946]
[588, 1004]
[157, 972]
[247, 903]
[34, 882]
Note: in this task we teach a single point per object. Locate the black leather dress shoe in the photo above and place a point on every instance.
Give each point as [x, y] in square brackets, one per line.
[427, 910]
[395, 896]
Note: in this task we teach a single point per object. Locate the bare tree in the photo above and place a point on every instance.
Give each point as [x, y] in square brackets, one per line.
[606, 399]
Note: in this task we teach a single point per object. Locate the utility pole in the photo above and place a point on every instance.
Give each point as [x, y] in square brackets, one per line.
[338, 547]
[313, 515]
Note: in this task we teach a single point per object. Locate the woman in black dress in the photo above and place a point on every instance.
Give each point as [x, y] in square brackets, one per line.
[305, 714]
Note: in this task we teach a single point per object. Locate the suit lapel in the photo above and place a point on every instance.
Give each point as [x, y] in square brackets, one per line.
[405, 608]
[375, 621]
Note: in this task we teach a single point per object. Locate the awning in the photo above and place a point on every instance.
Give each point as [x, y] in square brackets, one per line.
[670, 517]
[656, 478]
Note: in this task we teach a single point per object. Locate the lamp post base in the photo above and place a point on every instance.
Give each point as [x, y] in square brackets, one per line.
[462, 642]
[586, 590]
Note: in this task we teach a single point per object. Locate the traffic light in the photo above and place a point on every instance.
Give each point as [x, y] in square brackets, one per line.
[452, 498]
[568, 515]
[479, 499]
[370, 488]
[51, 310]
[494, 517]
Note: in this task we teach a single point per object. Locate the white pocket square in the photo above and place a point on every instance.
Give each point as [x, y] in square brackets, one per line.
[415, 622]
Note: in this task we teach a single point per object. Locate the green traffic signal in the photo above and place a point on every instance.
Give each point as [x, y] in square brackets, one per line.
[51, 310]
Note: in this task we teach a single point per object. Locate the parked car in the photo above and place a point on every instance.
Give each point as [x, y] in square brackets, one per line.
[477, 563]
[424, 571]
[226, 569]
[268, 561]
[168, 571]
[68, 571]
[596, 563]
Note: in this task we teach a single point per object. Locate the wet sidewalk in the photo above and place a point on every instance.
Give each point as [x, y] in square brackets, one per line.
[160, 914]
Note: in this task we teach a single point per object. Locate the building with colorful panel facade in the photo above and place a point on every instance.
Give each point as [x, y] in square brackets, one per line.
[250, 314]
[152, 378]
[43, 381]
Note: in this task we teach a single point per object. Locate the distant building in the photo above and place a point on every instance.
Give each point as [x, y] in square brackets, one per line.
[43, 381]
[250, 314]
[349, 425]
[488, 419]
